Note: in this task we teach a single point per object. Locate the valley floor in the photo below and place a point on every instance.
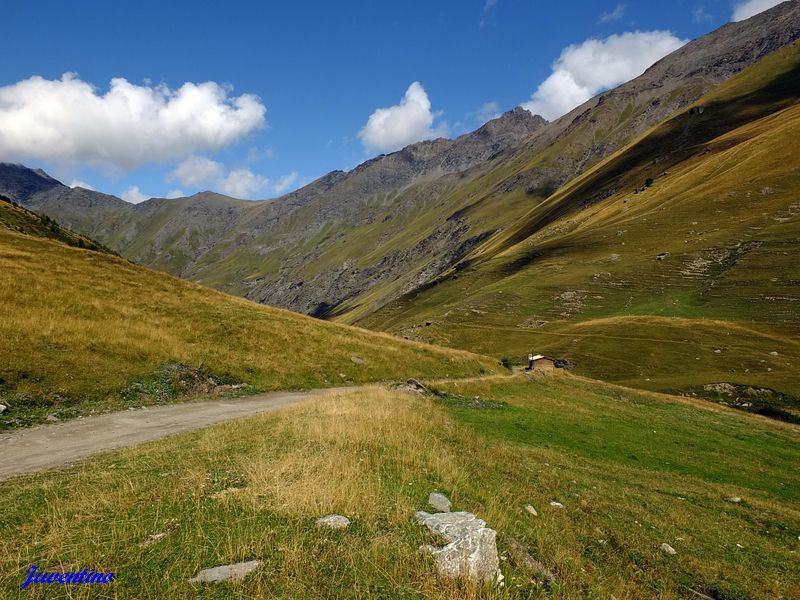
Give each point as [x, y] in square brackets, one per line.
[633, 470]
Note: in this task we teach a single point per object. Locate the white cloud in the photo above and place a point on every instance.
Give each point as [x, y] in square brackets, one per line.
[134, 195]
[614, 15]
[201, 172]
[487, 112]
[585, 69]
[67, 120]
[78, 183]
[196, 171]
[392, 128]
[745, 10]
[242, 183]
[285, 182]
[172, 194]
[256, 154]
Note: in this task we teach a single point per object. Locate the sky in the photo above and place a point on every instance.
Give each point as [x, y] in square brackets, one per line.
[255, 99]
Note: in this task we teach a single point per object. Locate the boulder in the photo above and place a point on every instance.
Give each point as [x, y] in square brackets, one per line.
[232, 572]
[358, 360]
[667, 549]
[3, 408]
[417, 385]
[471, 551]
[555, 504]
[439, 501]
[531, 510]
[720, 388]
[333, 522]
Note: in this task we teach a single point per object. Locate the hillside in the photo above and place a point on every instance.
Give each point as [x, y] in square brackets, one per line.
[85, 330]
[669, 266]
[631, 471]
[348, 243]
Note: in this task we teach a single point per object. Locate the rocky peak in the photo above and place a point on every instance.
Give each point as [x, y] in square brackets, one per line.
[19, 182]
[518, 120]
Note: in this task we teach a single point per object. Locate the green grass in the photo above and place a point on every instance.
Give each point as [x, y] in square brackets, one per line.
[21, 220]
[633, 471]
[84, 331]
[723, 206]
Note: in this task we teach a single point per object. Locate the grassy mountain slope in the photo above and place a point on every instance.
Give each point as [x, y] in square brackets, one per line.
[633, 471]
[86, 330]
[687, 281]
[21, 220]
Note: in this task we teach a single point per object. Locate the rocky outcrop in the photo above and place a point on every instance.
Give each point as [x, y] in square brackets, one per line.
[471, 551]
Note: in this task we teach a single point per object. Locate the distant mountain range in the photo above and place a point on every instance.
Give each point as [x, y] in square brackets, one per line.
[352, 242]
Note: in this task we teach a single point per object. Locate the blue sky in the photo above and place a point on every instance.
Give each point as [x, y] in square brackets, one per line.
[296, 86]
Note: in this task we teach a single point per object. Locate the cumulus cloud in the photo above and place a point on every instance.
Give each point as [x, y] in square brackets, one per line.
[134, 195]
[68, 120]
[285, 182]
[487, 112]
[201, 172]
[745, 10]
[392, 128]
[196, 171]
[242, 183]
[585, 69]
[614, 15]
[81, 184]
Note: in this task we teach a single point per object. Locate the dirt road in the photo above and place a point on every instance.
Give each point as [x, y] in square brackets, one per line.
[48, 446]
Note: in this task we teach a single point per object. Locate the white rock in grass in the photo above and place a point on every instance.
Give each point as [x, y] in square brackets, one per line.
[735, 499]
[667, 549]
[555, 504]
[152, 539]
[333, 522]
[472, 549]
[439, 501]
[3, 408]
[531, 510]
[232, 572]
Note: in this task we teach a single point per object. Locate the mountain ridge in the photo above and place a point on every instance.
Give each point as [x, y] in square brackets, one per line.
[350, 242]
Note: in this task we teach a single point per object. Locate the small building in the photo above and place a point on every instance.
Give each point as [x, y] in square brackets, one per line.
[540, 362]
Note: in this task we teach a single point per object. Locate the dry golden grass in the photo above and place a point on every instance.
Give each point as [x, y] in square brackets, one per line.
[82, 327]
[345, 442]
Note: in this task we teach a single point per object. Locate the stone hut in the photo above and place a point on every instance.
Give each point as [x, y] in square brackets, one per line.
[540, 362]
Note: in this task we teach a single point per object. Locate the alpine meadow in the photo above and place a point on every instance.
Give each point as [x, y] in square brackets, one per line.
[510, 345]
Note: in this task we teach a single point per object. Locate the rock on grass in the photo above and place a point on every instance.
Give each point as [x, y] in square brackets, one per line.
[232, 572]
